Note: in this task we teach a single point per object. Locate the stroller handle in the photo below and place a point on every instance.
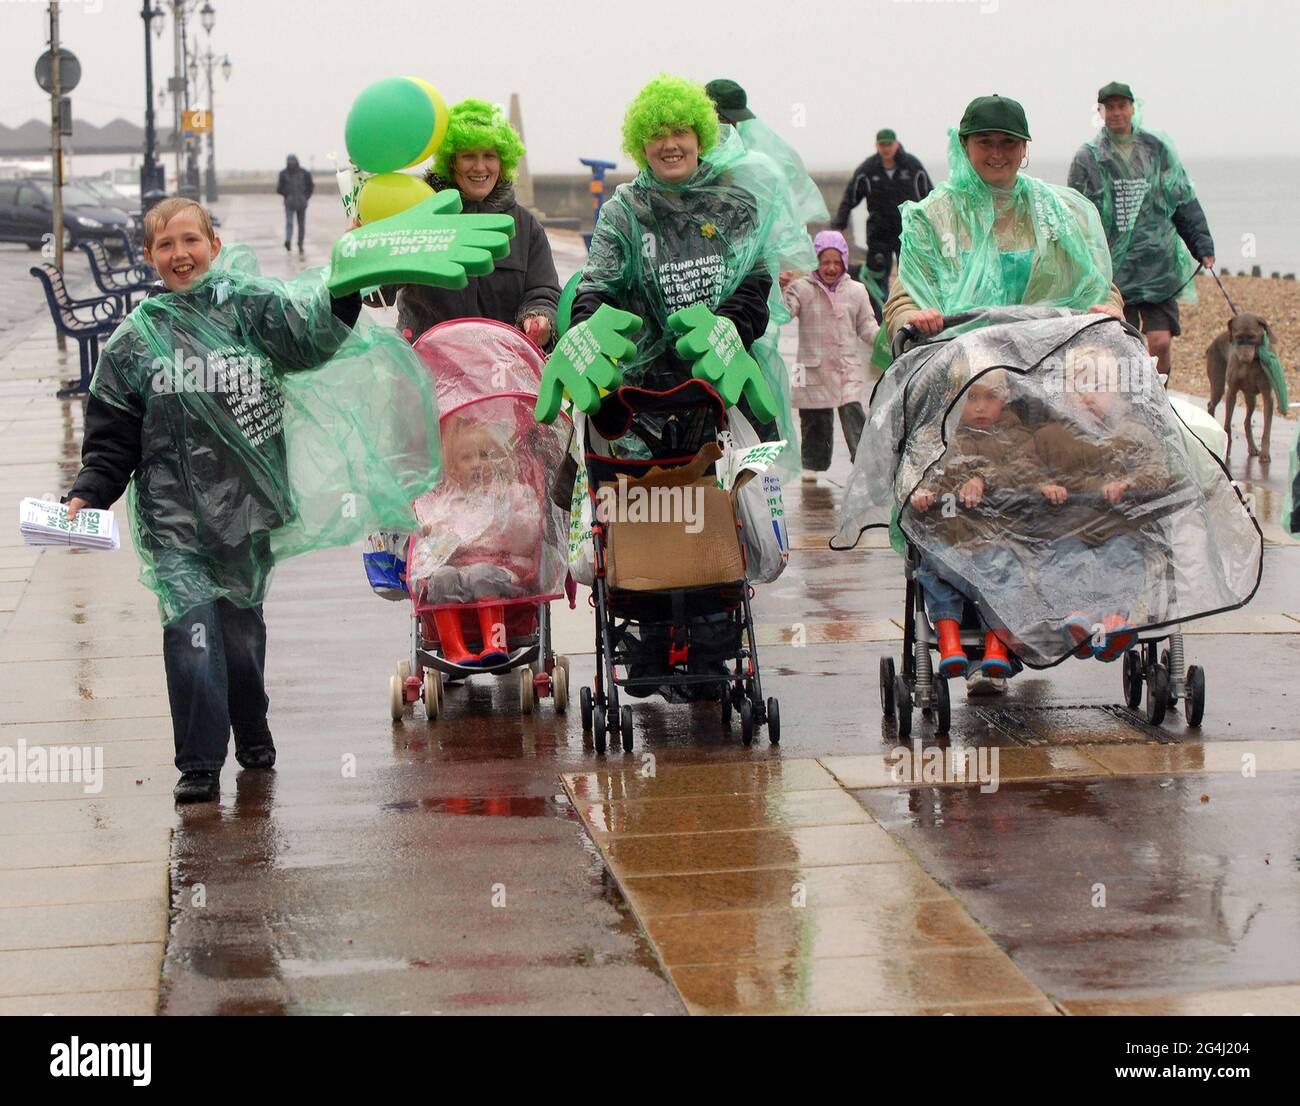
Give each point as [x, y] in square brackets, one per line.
[909, 334]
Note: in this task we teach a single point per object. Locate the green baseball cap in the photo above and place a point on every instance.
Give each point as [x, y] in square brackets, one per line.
[729, 100]
[994, 113]
[886, 135]
[1115, 88]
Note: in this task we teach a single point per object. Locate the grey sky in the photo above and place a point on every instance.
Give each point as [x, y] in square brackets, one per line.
[1220, 77]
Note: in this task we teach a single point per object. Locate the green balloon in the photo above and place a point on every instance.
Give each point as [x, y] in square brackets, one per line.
[389, 125]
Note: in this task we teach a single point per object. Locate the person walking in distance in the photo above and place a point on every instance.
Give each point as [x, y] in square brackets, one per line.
[295, 186]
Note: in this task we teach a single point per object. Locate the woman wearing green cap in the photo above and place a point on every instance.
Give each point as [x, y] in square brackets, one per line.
[478, 158]
[991, 236]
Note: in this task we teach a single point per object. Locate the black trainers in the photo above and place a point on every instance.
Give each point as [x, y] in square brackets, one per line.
[255, 750]
[287, 247]
[198, 787]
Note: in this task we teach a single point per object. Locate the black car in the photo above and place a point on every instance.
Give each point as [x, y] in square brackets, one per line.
[26, 207]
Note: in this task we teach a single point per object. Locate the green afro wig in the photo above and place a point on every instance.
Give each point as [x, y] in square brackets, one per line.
[478, 125]
[664, 103]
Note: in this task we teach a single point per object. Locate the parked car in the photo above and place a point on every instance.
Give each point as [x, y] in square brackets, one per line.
[26, 207]
[126, 181]
[107, 193]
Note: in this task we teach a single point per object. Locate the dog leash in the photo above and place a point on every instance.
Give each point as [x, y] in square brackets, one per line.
[1225, 292]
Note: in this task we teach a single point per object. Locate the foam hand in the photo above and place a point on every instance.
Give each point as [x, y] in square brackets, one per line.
[584, 362]
[430, 243]
[719, 357]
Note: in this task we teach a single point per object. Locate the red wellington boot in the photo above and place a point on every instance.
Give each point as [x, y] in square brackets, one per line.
[995, 662]
[952, 658]
[451, 638]
[492, 624]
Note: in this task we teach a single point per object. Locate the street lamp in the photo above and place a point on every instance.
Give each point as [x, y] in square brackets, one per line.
[207, 16]
[152, 180]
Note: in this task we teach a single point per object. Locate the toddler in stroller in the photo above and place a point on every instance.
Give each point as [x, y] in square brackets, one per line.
[490, 552]
[1119, 524]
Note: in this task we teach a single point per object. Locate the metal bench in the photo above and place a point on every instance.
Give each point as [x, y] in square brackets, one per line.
[85, 320]
[129, 251]
[127, 280]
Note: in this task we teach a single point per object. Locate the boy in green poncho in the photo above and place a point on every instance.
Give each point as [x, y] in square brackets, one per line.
[1147, 204]
[201, 441]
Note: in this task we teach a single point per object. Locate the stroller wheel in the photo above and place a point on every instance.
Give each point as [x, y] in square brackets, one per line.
[598, 728]
[1133, 679]
[560, 688]
[903, 706]
[942, 706]
[584, 707]
[526, 690]
[1164, 663]
[773, 721]
[1157, 694]
[396, 698]
[887, 686]
[747, 722]
[1194, 699]
[625, 726]
[727, 707]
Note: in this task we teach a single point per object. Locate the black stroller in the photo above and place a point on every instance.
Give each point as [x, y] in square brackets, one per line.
[683, 643]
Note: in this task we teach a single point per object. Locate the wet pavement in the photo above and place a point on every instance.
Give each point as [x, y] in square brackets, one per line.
[491, 863]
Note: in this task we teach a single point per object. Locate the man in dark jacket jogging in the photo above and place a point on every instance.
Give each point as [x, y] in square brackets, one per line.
[296, 187]
[885, 180]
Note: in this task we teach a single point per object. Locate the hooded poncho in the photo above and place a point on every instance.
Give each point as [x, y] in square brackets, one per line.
[968, 245]
[248, 457]
[661, 247]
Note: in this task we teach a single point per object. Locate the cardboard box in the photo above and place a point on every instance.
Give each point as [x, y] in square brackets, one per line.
[672, 528]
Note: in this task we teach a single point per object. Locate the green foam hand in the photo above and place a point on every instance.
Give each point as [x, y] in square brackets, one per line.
[430, 243]
[583, 363]
[713, 344]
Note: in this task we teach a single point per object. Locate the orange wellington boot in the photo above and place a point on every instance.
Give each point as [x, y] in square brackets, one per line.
[995, 662]
[492, 625]
[952, 658]
[451, 638]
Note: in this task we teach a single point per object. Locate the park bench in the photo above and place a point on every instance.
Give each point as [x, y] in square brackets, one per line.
[125, 280]
[86, 320]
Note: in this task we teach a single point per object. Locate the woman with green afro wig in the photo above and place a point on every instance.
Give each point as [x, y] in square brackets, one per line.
[478, 125]
[478, 158]
[705, 223]
[669, 107]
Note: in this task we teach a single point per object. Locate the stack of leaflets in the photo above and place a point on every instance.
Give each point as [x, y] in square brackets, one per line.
[44, 523]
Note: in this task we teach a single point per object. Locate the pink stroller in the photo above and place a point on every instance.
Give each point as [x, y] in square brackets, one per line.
[490, 553]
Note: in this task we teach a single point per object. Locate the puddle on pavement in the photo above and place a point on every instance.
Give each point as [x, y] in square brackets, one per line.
[503, 806]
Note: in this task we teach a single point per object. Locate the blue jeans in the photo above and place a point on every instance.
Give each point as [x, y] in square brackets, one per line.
[289, 214]
[944, 596]
[1101, 579]
[215, 657]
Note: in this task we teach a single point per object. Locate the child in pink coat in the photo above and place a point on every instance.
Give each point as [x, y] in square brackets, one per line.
[834, 314]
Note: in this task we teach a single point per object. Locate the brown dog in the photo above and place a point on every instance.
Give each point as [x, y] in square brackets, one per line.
[1232, 363]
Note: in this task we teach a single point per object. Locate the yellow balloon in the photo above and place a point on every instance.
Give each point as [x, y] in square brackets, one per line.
[439, 120]
[386, 194]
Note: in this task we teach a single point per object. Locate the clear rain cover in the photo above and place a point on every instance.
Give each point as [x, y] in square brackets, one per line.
[489, 533]
[1082, 408]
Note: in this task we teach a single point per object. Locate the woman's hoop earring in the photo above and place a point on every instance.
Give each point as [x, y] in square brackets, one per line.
[1024, 161]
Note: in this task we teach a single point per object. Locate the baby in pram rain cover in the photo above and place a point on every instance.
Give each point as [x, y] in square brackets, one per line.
[1037, 468]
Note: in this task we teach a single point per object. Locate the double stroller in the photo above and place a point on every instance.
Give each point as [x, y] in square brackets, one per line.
[1102, 522]
[489, 556]
[683, 629]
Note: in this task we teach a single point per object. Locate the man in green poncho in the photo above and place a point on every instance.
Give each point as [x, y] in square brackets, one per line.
[191, 404]
[1147, 205]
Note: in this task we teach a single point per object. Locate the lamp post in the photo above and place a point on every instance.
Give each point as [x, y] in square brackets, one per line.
[208, 18]
[152, 183]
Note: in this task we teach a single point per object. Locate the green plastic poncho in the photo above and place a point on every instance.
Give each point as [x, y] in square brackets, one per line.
[1138, 186]
[967, 245]
[661, 247]
[269, 429]
[805, 197]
